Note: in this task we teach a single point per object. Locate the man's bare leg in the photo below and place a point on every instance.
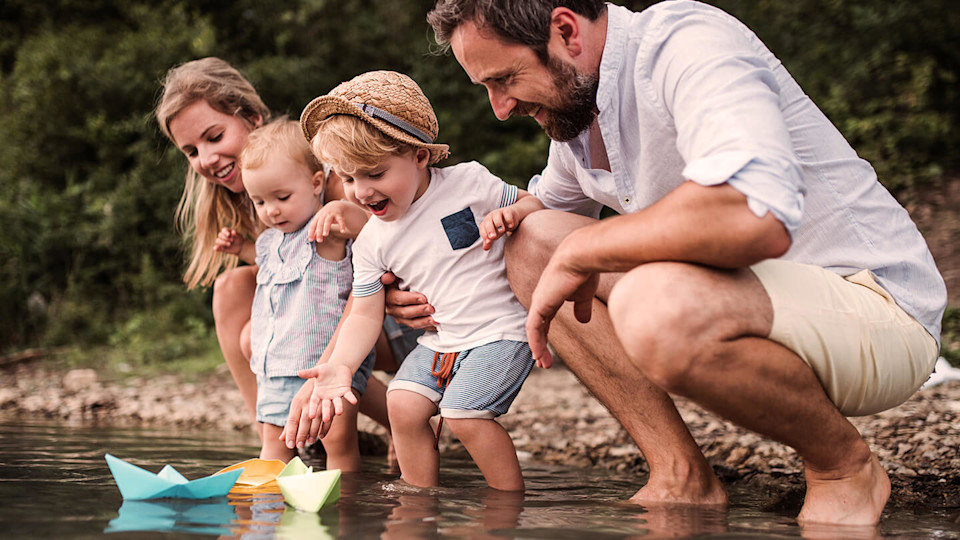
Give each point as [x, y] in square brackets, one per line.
[678, 471]
[701, 333]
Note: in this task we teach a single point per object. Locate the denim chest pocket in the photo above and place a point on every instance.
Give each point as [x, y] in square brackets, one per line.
[461, 229]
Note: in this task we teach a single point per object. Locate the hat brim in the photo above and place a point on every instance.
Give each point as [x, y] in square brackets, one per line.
[324, 107]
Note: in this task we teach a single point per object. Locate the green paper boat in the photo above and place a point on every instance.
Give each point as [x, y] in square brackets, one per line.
[139, 484]
[306, 490]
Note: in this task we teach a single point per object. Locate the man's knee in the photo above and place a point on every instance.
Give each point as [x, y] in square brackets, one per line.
[530, 247]
[654, 320]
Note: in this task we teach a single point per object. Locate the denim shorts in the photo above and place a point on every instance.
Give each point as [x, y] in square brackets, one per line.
[402, 338]
[274, 394]
[484, 383]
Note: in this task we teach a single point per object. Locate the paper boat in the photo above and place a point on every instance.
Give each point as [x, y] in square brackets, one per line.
[307, 490]
[259, 475]
[139, 484]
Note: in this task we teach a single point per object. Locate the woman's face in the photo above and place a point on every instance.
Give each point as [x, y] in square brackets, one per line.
[211, 140]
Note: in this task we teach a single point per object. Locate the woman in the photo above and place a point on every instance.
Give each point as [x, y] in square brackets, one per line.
[207, 109]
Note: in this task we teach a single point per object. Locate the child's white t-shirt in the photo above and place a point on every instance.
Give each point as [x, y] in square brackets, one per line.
[435, 249]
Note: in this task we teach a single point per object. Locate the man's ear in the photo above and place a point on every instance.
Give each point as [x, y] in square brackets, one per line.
[565, 32]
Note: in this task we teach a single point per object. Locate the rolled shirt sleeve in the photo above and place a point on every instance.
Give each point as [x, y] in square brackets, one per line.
[724, 100]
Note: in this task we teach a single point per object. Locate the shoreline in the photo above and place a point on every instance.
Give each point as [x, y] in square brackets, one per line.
[554, 420]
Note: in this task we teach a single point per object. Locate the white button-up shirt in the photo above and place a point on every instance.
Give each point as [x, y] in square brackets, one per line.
[688, 92]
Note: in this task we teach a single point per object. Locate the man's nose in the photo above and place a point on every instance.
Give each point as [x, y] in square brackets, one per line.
[502, 104]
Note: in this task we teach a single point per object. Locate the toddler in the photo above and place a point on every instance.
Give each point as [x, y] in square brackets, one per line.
[377, 130]
[302, 286]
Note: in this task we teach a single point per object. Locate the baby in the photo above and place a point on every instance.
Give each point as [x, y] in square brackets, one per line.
[302, 286]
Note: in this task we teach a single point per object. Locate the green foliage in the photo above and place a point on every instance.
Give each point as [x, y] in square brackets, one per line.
[88, 252]
[885, 73]
[950, 336]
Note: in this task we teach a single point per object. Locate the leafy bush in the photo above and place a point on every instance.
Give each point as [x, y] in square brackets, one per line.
[88, 253]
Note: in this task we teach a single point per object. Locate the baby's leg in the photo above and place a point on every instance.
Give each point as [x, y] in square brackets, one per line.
[273, 447]
[341, 442]
[492, 450]
[413, 438]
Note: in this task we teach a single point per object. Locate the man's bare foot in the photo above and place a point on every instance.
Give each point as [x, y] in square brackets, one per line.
[708, 492]
[846, 498]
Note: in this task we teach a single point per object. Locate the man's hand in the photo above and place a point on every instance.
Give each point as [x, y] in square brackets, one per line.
[407, 307]
[558, 283]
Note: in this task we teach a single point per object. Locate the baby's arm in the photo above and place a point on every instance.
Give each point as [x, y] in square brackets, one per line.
[229, 241]
[301, 427]
[360, 327]
[342, 219]
[506, 220]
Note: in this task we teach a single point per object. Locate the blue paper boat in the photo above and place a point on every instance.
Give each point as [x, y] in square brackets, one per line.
[139, 484]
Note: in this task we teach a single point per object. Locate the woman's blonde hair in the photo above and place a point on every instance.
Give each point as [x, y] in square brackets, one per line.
[348, 143]
[204, 207]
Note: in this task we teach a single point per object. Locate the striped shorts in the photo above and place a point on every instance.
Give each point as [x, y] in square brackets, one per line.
[483, 384]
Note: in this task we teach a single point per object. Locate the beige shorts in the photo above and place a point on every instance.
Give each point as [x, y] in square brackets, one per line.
[868, 353]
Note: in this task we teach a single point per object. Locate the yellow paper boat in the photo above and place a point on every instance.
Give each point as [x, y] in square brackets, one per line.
[307, 490]
[259, 475]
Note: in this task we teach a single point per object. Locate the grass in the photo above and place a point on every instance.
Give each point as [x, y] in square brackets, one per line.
[141, 350]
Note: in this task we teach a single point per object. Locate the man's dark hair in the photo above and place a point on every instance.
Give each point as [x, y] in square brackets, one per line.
[521, 22]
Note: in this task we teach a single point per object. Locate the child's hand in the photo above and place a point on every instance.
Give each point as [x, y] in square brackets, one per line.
[301, 428]
[228, 241]
[337, 217]
[545, 362]
[332, 384]
[497, 223]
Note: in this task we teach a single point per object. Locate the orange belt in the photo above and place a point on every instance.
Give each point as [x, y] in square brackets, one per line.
[443, 374]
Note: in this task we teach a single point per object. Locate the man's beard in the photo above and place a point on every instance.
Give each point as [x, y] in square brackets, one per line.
[577, 95]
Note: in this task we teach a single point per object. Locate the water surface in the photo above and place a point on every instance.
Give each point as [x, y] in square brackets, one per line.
[54, 483]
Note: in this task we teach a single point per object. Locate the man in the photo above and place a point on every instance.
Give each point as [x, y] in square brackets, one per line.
[758, 267]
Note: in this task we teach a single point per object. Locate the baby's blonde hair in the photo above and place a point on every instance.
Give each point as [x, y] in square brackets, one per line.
[204, 207]
[284, 136]
[348, 144]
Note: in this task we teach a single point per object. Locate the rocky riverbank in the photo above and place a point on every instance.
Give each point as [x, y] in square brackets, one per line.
[554, 420]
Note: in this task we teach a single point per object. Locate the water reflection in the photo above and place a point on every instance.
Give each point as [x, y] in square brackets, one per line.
[54, 483]
[201, 517]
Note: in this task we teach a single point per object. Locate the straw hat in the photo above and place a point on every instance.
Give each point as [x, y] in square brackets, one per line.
[387, 100]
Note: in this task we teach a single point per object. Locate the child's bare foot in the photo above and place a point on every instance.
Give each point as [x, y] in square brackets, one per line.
[856, 497]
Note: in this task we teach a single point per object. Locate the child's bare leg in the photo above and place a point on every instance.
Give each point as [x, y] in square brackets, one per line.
[272, 447]
[412, 437]
[341, 442]
[492, 450]
[373, 404]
